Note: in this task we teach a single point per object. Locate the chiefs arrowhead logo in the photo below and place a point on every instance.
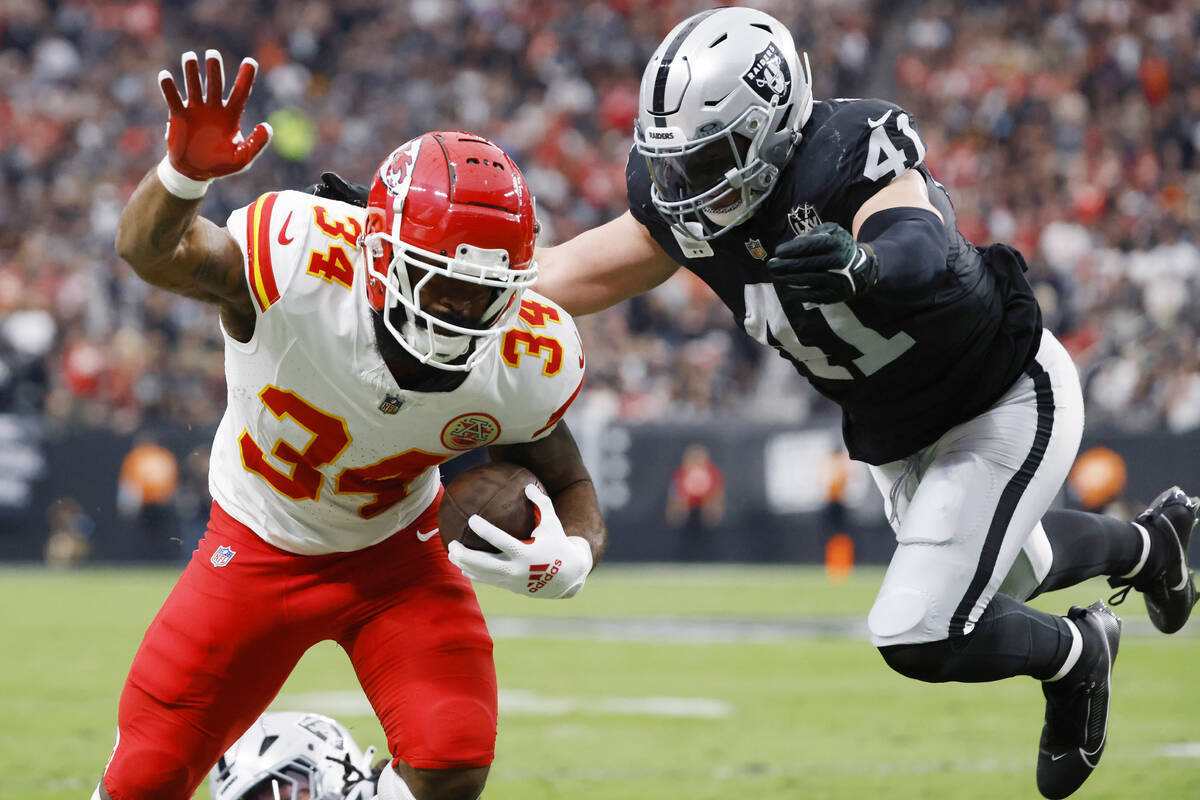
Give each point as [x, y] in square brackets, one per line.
[468, 431]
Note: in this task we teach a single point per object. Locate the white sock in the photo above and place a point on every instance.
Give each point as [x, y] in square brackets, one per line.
[1073, 655]
[392, 786]
[1145, 552]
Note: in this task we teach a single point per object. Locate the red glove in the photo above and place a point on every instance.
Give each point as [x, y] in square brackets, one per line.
[204, 137]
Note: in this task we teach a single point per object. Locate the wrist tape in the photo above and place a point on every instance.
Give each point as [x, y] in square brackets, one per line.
[179, 184]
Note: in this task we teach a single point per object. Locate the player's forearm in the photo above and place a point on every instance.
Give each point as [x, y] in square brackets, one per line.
[152, 227]
[563, 277]
[578, 509]
[602, 266]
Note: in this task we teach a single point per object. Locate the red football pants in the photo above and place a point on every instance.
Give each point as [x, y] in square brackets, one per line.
[227, 637]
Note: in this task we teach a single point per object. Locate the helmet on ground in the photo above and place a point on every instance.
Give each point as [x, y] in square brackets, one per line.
[449, 204]
[720, 110]
[292, 755]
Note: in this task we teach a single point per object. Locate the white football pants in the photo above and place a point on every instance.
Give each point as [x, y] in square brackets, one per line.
[966, 509]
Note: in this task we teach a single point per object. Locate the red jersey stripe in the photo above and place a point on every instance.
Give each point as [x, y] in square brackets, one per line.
[262, 273]
[557, 415]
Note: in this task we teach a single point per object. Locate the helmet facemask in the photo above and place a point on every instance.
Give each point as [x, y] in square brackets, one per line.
[289, 783]
[429, 338]
[706, 185]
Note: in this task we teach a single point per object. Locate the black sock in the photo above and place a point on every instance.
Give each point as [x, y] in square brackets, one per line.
[1086, 545]
[1010, 639]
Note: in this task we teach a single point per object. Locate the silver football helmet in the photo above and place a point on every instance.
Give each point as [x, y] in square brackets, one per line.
[293, 755]
[721, 106]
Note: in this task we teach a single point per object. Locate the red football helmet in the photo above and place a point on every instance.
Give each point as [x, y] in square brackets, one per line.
[453, 204]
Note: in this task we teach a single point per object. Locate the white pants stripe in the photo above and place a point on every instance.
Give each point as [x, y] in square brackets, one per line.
[965, 507]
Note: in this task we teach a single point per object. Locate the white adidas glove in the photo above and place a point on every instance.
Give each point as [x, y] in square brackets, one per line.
[552, 565]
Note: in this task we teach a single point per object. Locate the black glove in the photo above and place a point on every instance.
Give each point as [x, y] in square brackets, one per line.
[335, 187]
[825, 265]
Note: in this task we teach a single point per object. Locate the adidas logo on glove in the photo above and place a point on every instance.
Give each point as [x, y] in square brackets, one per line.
[541, 574]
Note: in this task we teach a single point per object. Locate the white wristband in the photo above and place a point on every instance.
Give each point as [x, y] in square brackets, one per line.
[179, 184]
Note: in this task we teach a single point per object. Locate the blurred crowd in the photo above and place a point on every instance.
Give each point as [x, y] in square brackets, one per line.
[1067, 128]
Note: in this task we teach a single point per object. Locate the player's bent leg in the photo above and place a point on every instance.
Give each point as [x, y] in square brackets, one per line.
[1073, 656]
[1148, 554]
[1009, 639]
[425, 664]
[209, 664]
[1084, 545]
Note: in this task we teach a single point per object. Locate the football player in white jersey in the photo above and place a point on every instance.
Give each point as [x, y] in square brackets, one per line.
[364, 347]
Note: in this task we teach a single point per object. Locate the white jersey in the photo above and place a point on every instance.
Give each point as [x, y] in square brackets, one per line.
[319, 450]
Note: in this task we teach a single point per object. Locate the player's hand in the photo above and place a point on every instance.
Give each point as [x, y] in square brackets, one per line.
[550, 565]
[335, 187]
[825, 265]
[204, 135]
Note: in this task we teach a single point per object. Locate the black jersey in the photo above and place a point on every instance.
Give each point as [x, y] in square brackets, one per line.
[906, 366]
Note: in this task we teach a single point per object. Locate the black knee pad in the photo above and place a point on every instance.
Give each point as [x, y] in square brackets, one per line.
[928, 661]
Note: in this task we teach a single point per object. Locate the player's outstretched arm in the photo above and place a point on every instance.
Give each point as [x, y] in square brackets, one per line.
[160, 233]
[602, 266]
[570, 534]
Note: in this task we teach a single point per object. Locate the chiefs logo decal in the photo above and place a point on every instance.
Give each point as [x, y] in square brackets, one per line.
[396, 172]
[468, 431]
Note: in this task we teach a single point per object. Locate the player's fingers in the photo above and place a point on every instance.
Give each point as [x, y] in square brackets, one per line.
[455, 552]
[215, 68]
[476, 564]
[191, 78]
[810, 244]
[494, 536]
[249, 149]
[539, 498]
[170, 93]
[816, 280]
[242, 85]
[806, 265]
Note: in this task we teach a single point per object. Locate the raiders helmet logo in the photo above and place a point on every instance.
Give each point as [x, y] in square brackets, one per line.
[769, 76]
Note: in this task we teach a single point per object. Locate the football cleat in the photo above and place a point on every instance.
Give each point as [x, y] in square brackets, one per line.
[1076, 726]
[1165, 581]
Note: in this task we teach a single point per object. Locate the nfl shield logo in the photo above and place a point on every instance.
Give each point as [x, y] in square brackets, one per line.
[222, 556]
[391, 404]
[755, 246]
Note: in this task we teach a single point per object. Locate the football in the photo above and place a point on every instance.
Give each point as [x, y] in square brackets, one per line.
[494, 491]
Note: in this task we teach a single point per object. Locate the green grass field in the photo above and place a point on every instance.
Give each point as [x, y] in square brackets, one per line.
[774, 691]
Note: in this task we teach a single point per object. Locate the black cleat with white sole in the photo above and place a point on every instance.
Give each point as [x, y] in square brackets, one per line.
[1076, 725]
[1165, 581]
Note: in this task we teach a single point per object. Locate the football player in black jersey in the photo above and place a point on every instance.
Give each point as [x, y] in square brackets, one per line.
[820, 227]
